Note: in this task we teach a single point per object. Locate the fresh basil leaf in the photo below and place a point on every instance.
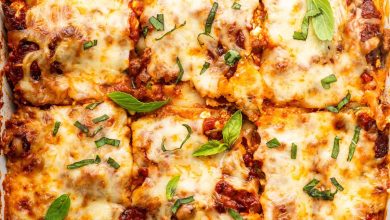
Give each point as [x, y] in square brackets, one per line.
[89, 44]
[317, 194]
[355, 140]
[172, 30]
[83, 163]
[189, 132]
[130, 103]
[103, 141]
[93, 105]
[323, 24]
[160, 18]
[171, 187]
[236, 6]
[180, 202]
[113, 163]
[336, 147]
[294, 149]
[325, 82]
[100, 119]
[57, 125]
[59, 208]
[210, 148]
[232, 57]
[82, 127]
[302, 35]
[206, 65]
[273, 143]
[234, 214]
[341, 104]
[336, 184]
[232, 129]
[181, 71]
[210, 18]
[313, 183]
[158, 25]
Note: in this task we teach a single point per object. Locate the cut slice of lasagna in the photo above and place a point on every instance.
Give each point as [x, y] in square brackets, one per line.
[64, 51]
[67, 150]
[163, 146]
[343, 156]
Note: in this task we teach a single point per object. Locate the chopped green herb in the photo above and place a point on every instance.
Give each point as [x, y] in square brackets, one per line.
[96, 131]
[336, 184]
[209, 22]
[336, 147]
[59, 208]
[113, 163]
[157, 24]
[180, 202]
[310, 185]
[82, 127]
[145, 31]
[181, 71]
[232, 57]
[273, 143]
[90, 44]
[206, 65]
[317, 194]
[234, 214]
[83, 163]
[57, 125]
[302, 35]
[172, 30]
[325, 82]
[189, 132]
[355, 140]
[100, 119]
[236, 6]
[93, 105]
[171, 187]
[103, 141]
[341, 104]
[294, 149]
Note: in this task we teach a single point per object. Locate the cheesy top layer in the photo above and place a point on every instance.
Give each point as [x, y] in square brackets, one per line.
[37, 163]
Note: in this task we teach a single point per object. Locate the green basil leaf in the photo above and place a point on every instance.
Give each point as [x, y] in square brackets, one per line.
[172, 30]
[59, 208]
[171, 187]
[93, 105]
[210, 148]
[302, 35]
[160, 18]
[355, 140]
[189, 132]
[325, 82]
[336, 184]
[336, 147]
[294, 149]
[273, 143]
[181, 71]
[206, 65]
[232, 57]
[317, 194]
[103, 141]
[234, 214]
[57, 125]
[82, 127]
[89, 44]
[323, 24]
[130, 103]
[180, 202]
[210, 18]
[236, 6]
[341, 104]
[83, 163]
[113, 163]
[100, 119]
[232, 129]
[313, 183]
[158, 25]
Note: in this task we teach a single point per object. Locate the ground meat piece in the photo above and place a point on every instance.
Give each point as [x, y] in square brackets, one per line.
[369, 31]
[15, 20]
[35, 71]
[133, 213]
[369, 10]
[366, 77]
[381, 144]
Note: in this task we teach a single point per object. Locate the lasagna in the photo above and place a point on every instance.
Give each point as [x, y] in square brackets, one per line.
[180, 109]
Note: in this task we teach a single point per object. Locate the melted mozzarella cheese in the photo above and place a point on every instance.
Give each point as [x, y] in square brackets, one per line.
[97, 191]
[198, 176]
[74, 23]
[314, 134]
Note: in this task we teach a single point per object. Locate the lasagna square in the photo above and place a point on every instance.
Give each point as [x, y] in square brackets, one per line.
[216, 183]
[344, 156]
[67, 150]
[65, 51]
